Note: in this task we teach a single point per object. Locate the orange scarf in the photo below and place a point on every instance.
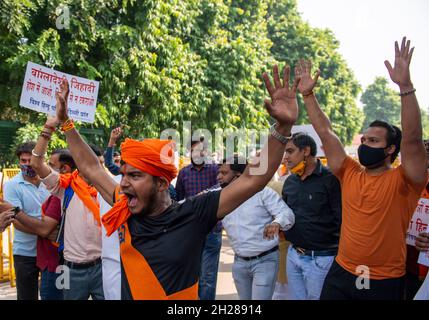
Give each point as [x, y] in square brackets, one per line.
[153, 156]
[85, 192]
[118, 215]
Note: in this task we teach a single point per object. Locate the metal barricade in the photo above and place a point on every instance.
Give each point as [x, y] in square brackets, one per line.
[7, 271]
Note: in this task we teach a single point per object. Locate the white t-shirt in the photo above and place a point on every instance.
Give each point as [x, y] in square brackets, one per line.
[110, 256]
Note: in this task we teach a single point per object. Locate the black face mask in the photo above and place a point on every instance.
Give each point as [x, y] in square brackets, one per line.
[369, 156]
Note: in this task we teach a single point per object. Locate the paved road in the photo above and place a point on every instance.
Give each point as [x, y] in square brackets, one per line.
[7, 292]
[225, 284]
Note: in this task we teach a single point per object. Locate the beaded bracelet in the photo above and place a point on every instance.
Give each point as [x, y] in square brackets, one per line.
[406, 93]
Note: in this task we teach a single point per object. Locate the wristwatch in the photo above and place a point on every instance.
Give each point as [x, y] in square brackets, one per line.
[283, 139]
[16, 210]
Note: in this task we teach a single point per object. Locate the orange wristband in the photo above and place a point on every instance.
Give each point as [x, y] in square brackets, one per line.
[67, 125]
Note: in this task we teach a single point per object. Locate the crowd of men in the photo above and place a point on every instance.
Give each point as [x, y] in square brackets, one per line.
[130, 226]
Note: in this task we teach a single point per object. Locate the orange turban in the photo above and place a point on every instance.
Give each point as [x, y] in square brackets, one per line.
[153, 156]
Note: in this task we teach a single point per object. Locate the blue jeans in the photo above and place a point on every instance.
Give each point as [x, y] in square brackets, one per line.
[306, 274]
[209, 266]
[85, 283]
[256, 279]
[48, 288]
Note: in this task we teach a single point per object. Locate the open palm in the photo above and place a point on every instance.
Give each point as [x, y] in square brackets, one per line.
[306, 82]
[283, 105]
[61, 97]
[400, 73]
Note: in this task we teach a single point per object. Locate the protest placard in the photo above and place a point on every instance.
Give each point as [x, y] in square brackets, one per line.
[41, 84]
[419, 221]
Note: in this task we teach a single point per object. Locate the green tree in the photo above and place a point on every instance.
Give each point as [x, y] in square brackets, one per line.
[294, 39]
[160, 63]
[425, 123]
[231, 36]
[381, 103]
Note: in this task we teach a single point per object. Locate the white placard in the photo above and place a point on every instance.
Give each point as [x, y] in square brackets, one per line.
[419, 221]
[41, 84]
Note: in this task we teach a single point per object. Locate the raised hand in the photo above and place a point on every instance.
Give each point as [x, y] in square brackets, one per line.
[400, 73]
[62, 96]
[306, 82]
[51, 121]
[115, 134]
[283, 105]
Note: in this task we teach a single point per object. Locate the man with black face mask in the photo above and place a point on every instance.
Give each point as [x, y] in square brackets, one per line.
[26, 193]
[377, 200]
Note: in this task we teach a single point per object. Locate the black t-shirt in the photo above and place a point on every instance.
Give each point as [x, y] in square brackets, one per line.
[172, 242]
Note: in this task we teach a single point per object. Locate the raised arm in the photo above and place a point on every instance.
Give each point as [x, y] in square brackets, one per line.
[108, 158]
[413, 155]
[180, 188]
[38, 155]
[283, 107]
[332, 146]
[85, 159]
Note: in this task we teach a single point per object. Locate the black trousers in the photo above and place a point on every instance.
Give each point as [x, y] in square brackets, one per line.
[412, 285]
[341, 285]
[27, 277]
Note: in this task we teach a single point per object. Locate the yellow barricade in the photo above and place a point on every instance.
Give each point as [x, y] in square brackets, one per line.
[7, 271]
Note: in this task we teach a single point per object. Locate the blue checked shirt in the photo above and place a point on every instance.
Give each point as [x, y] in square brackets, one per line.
[191, 182]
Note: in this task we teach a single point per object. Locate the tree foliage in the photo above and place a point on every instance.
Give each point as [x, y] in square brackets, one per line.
[425, 123]
[294, 39]
[160, 63]
[381, 103]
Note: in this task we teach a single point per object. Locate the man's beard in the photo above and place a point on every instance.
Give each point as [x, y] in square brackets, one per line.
[224, 185]
[151, 203]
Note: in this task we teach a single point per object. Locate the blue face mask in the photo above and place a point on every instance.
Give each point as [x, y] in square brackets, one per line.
[28, 171]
